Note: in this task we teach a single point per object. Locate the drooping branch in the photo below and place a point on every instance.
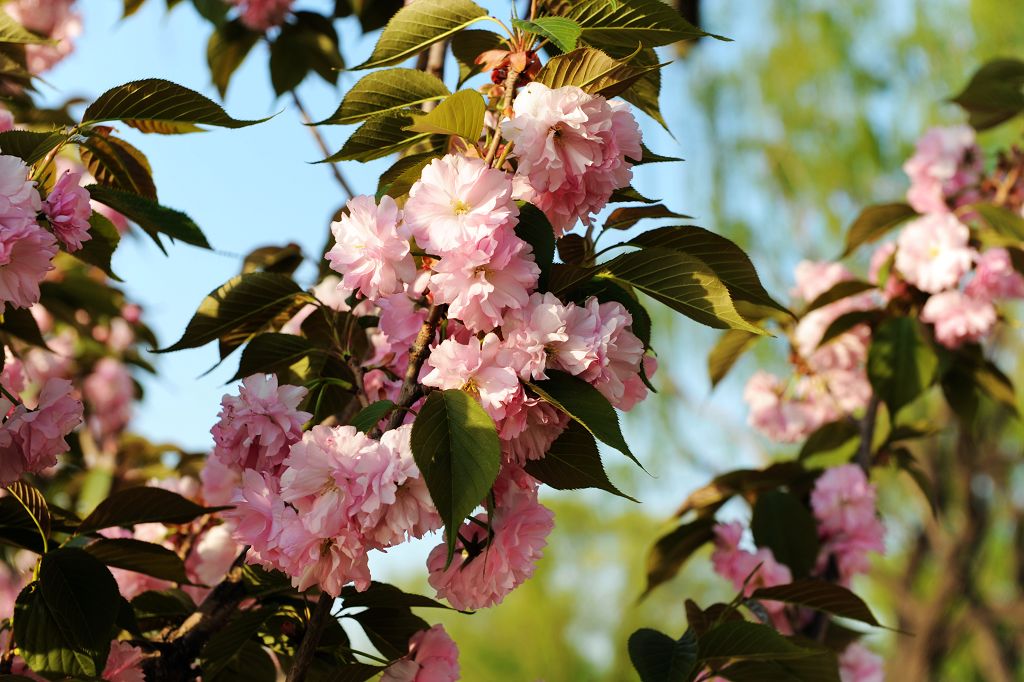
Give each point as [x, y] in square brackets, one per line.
[322, 144]
[311, 640]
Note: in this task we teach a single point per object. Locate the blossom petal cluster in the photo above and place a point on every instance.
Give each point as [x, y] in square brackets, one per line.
[433, 657]
[843, 502]
[31, 439]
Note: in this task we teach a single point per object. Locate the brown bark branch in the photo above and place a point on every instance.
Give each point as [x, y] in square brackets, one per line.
[322, 144]
[311, 639]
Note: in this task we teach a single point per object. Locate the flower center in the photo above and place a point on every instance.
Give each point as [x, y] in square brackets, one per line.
[461, 207]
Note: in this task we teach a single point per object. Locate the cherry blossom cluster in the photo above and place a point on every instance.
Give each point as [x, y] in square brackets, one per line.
[26, 247]
[261, 15]
[849, 529]
[933, 264]
[57, 20]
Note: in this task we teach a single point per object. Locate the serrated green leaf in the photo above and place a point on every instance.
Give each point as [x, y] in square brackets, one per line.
[743, 640]
[586, 405]
[838, 435]
[229, 45]
[995, 93]
[682, 282]
[139, 556]
[228, 643]
[820, 595]
[456, 447]
[384, 91]
[417, 26]
[34, 504]
[731, 345]
[901, 364]
[786, 527]
[115, 163]
[469, 44]
[285, 355]
[593, 71]
[21, 323]
[573, 463]
[659, 658]
[874, 222]
[626, 217]
[370, 416]
[838, 292]
[460, 114]
[239, 308]
[848, 321]
[154, 219]
[650, 22]
[144, 504]
[154, 105]
[13, 32]
[561, 31]
[29, 145]
[379, 136]
[382, 595]
[667, 556]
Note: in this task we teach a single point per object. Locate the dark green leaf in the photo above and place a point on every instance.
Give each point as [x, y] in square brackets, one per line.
[874, 222]
[117, 164]
[142, 505]
[371, 415]
[628, 195]
[831, 437]
[901, 364]
[456, 447]
[380, 136]
[745, 640]
[227, 48]
[351, 672]
[239, 308]
[153, 105]
[651, 157]
[821, 596]
[64, 623]
[389, 629]
[100, 248]
[838, 292]
[994, 94]
[35, 505]
[227, 643]
[821, 665]
[417, 26]
[286, 355]
[671, 551]
[20, 323]
[732, 344]
[468, 45]
[383, 595]
[384, 91]
[153, 218]
[586, 405]
[281, 259]
[460, 114]
[573, 463]
[848, 321]
[535, 229]
[172, 604]
[593, 71]
[140, 557]
[625, 23]
[659, 658]
[625, 218]
[29, 145]
[784, 525]
[562, 32]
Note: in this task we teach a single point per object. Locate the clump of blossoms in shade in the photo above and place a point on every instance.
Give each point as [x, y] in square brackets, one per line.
[26, 249]
[843, 502]
[67, 208]
[433, 657]
[945, 168]
[54, 19]
[857, 663]
[260, 15]
[31, 439]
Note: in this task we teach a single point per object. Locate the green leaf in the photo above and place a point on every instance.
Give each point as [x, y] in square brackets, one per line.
[163, 605]
[659, 658]
[117, 164]
[228, 643]
[351, 672]
[627, 217]
[20, 323]
[728, 261]
[821, 596]
[1001, 219]
[848, 321]
[535, 229]
[140, 557]
[239, 308]
[573, 463]
[820, 665]
[34, 504]
[901, 364]
[417, 26]
[153, 105]
[651, 157]
[389, 629]
[834, 436]
[748, 482]
[309, 43]
[286, 355]
[468, 45]
[586, 405]
[384, 91]
[667, 556]
[593, 71]
[785, 526]
[740, 639]
[994, 94]
[29, 145]
[874, 222]
[731, 345]
[153, 218]
[229, 45]
[65, 621]
[629, 194]
[838, 292]
[650, 22]
[684, 283]
[380, 136]
[461, 114]
[562, 32]
[13, 32]
[133, 506]
[371, 415]
[383, 595]
[455, 445]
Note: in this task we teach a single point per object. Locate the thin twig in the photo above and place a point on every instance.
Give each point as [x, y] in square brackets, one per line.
[417, 356]
[506, 102]
[311, 640]
[322, 144]
[867, 433]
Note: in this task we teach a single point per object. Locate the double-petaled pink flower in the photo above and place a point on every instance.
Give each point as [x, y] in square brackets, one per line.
[371, 250]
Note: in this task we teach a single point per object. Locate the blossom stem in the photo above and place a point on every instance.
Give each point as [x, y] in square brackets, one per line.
[867, 433]
[504, 155]
[322, 144]
[311, 640]
[417, 356]
[506, 102]
[9, 396]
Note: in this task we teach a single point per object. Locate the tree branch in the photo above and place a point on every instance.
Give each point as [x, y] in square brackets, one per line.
[311, 639]
[322, 144]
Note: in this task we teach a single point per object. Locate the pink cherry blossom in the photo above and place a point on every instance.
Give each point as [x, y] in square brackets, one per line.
[256, 428]
[124, 663]
[412, 513]
[260, 15]
[946, 162]
[19, 199]
[458, 201]
[481, 281]
[529, 428]
[958, 317]
[219, 481]
[331, 292]
[883, 256]
[54, 19]
[485, 571]
[26, 255]
[859, 664]
[109, 392]
[30, 440]
[788, 413]
[433, 657]
[932, 252]
[843, 502]
[813, 278]
[6, 120]
[535, 332]
[329, 564]
[68, 210]
[995, 277]
[212, 556]
[738, 565]
[480, 367]
[574, 150]
[616, 371]
[257, 517]
[847, 351]
[371, 250]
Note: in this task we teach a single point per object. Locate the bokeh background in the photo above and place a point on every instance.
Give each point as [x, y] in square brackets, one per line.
[787, 132]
